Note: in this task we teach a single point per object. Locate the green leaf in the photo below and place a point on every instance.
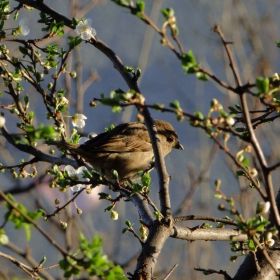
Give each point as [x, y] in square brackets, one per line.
[240, 173]
[42, 261]
[175, 105]
[232, 110]
[240, 129]
[140, 8]
[251, 245]
[16, 15]
[199, 115]
[109, 208]
[128, 223]
[189, 62]
[238, 107]
[138, 73]
[23, 50]
[262, 85]
[74, 42]
[104, 196]
[223, 113]
[117, 109]
[146, 180]
[128, 69]
[123, 3]
[168, 13]
[201, 76]
[245, 162]
[27, 231]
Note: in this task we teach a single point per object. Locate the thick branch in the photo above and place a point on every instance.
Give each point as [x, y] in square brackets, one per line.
[217, 234]
[147, 260]
[39, 156]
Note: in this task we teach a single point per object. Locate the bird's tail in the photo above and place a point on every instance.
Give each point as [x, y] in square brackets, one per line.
[62, 145]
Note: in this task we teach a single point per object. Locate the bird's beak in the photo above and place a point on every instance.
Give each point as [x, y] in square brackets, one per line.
[179, 146]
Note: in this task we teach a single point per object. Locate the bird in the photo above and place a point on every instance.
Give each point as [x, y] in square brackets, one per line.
[126, 148]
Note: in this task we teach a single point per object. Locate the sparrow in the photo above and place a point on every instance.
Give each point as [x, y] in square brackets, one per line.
[127, 148]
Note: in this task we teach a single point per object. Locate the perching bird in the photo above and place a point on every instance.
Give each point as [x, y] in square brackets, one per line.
[127, 148]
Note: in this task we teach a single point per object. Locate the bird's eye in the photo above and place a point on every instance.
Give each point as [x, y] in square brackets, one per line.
[169, 139]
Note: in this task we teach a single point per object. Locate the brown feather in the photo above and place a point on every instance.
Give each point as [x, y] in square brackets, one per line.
[127, 148]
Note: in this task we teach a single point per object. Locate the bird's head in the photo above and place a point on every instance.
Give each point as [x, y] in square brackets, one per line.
[168, 136]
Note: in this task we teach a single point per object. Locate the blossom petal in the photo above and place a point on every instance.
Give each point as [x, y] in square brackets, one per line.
[83, 140]
[78, 120]
[80, 173]
[23, 28]
[2, 121]
[85, 30]
[88, 21]
[76, 188]
[86, 35]
[70, 170]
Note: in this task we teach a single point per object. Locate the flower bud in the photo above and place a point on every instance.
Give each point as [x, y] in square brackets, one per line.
[73, 74]
[270, 242]
[4, 239]
[114, 215]
[63, 224]
[262, 207]
[88, 190]
[218, 183]
[214, 102]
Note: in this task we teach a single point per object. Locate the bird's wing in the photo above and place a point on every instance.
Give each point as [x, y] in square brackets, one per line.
[129, 137]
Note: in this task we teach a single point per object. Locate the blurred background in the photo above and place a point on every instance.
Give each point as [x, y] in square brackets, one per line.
[252, 26]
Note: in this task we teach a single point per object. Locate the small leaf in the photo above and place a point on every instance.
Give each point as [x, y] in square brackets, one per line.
[251, 245]
[262, 85]
[245, 162]
[240, 173]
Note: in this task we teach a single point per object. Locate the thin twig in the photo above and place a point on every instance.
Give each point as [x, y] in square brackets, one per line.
[265, 253]
[29, 270]
[13, 205]
[252, 137]
[204, 218]
[171, 270]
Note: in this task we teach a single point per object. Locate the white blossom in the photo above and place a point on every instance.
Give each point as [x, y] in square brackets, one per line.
[276, 77]
[262, 207]
[266, 207]
[63, 100]
[85, 30]
[230, 121]
[83, 140]
[23, 28]
[270, 242]
[78, 120]
[2, 121]
[77, 175]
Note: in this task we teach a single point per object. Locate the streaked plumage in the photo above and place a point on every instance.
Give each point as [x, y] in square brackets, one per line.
[127, 148]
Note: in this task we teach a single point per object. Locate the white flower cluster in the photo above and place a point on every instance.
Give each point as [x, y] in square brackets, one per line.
[23, 28]
[85, 30]
[79, 120]
[77, 175]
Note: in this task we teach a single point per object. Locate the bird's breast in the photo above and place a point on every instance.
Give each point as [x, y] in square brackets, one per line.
[126, 164]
